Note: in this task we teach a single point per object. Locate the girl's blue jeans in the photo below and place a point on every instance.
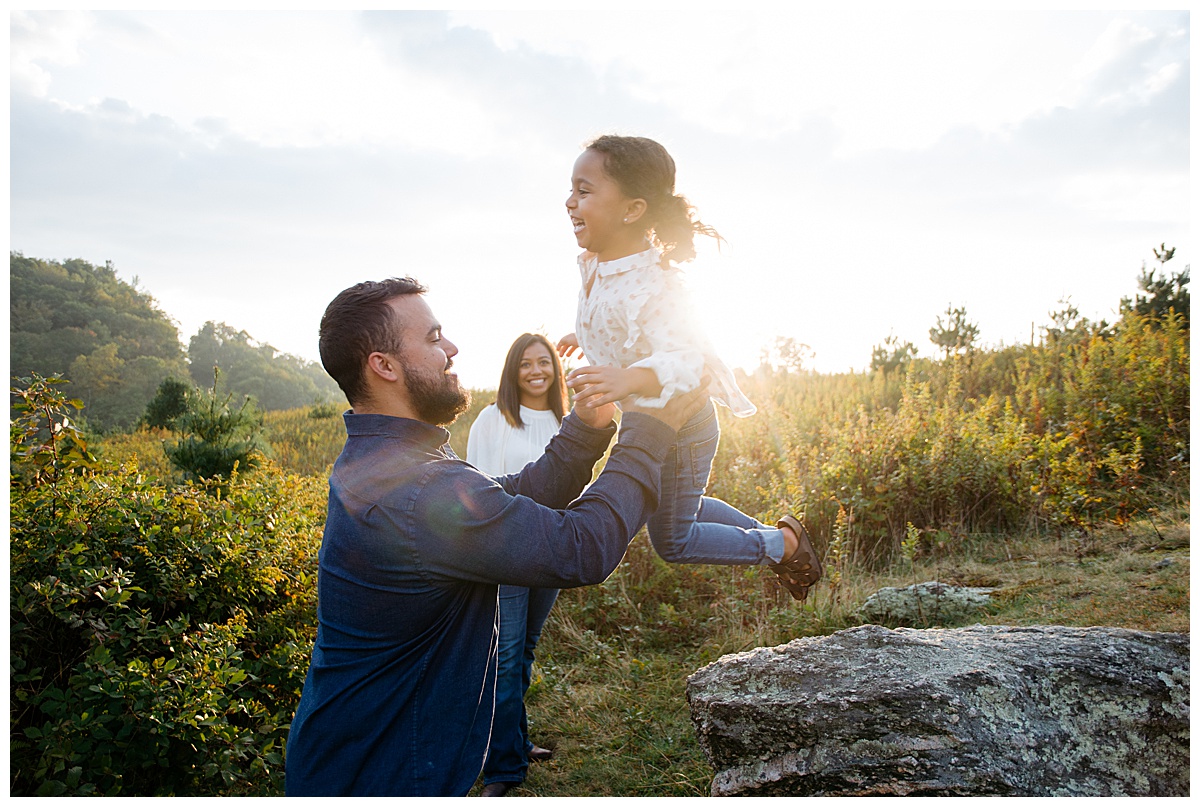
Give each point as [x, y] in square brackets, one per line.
[523, 612]
[688, 526]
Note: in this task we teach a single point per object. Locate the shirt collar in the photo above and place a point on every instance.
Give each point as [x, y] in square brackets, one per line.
[388, 426]
[640, 260]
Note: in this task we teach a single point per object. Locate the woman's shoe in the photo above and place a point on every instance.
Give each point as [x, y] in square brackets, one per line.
[539, 754]
[802, 570]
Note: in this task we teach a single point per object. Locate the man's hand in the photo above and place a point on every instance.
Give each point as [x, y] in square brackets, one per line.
[568, 346]
[598, 417]
[680, 409]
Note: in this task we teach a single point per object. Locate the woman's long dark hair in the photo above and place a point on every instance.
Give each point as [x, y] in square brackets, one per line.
[643, 169]
[508, 396]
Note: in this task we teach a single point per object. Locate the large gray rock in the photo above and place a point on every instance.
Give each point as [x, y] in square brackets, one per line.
[1036, 711]
[925, 604]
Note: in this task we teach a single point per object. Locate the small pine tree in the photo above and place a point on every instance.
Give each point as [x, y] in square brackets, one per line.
[956, 334]
[171, 402]
[217, 438]
[892, 354]
[1161, 294]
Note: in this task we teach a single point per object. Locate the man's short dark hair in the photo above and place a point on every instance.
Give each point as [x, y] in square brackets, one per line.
[357, 323]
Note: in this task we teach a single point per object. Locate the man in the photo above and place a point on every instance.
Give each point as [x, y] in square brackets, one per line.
[399, 695]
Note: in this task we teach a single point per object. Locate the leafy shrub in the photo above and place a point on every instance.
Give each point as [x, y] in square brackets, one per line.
[159, 634]
[44, 442]
[325, 409]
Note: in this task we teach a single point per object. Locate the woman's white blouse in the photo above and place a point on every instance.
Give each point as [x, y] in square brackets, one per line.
[497, 448]
[637, 314]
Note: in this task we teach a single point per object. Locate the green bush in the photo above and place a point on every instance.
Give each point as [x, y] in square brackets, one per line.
[159, 634]
[44, 441]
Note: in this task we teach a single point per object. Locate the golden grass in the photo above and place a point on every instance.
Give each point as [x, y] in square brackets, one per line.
[611, 699]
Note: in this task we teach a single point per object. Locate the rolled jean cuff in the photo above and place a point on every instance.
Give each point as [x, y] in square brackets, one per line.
[773, 546]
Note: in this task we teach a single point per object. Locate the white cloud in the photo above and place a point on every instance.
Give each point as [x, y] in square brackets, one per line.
[293, 80]
[249, 166]
[43, 39]
[877, 78]
[1125, 197]
[1130, 63]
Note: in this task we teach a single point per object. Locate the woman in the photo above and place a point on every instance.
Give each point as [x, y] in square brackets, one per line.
[530, 404]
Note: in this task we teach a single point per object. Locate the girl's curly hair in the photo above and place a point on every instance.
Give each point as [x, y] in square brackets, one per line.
[643, 169]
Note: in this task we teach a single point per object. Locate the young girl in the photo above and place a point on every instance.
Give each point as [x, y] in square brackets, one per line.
[633, 325]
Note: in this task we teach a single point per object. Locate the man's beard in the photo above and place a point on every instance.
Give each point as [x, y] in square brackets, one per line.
[437, 399]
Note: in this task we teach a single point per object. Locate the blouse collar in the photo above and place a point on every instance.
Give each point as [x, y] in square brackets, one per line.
[639, 260]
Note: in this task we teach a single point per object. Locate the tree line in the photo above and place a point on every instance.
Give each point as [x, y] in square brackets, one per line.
[79, 321]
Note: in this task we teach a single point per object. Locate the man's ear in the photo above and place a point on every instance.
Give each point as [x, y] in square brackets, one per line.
[384, 366]
[634, 210]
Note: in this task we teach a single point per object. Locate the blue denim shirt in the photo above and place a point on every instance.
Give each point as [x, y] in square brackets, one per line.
[400, 692]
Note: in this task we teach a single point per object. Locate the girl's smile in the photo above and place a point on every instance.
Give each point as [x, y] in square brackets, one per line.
[605, 221]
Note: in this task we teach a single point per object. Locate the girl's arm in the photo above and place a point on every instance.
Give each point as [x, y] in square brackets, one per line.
[602, 384]
[568, 346]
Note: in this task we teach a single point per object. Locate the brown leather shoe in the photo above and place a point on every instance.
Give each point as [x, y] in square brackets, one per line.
[497, 788]
[539, 754]
[802, 570]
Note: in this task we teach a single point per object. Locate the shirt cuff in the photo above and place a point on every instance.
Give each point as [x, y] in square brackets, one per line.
[573, 423]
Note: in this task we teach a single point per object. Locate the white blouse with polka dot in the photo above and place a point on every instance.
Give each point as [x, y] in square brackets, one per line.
[634, 313]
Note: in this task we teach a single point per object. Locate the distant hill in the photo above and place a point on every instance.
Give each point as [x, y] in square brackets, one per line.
[276, 380]
[116, 346]
[81, 321]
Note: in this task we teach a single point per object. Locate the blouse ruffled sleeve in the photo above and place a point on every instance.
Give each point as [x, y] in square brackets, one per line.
[484, 449]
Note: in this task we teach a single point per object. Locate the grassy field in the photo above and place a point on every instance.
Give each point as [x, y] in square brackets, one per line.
[609, 689]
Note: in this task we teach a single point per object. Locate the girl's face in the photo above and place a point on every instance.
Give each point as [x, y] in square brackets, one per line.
[606, 221]
[535, 375]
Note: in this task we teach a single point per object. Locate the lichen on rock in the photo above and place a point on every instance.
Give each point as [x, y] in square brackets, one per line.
[985, 710]
[924, 604]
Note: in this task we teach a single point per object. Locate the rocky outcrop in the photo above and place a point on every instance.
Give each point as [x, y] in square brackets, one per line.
[1035, 711]
[929, 603]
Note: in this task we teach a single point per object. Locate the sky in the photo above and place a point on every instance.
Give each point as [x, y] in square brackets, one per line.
[867, 168]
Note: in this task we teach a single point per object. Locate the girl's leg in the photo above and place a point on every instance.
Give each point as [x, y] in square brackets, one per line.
[689, 527]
